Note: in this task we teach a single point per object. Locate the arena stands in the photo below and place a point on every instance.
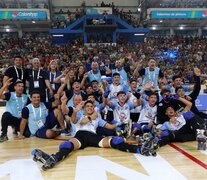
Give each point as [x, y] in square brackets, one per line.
[177, 4]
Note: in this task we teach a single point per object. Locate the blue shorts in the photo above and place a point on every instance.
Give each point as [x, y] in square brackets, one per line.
[50, 123]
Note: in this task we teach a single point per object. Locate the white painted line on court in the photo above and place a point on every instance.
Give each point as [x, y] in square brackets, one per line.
[20, 169]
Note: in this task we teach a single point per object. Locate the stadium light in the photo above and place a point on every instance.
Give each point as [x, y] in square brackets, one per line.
[57, 35]
[140, 34]
[140, 6]
[153, 28]
[7, 30]
[181, 27]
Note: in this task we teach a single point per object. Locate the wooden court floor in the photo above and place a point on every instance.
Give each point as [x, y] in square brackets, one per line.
[174, 161]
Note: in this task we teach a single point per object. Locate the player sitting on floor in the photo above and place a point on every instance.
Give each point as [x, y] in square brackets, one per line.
[86, 136]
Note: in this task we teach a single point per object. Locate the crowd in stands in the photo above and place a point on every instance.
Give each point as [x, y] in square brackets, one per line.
[62, 18]
[191, 50]
[129, 16]
[30, 5]
[176, 4]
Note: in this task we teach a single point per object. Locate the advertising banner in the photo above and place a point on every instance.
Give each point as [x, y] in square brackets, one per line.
[99, 10]
[182, 14]
[22, 15]
[201, 102]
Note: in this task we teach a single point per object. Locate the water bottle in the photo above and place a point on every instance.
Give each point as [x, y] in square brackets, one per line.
[201, 138]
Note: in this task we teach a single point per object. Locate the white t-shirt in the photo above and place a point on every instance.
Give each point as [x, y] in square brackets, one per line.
[148, 114]
[133, 100]
[114, 90]
[122, 113]
[180, 122]
[92, 125]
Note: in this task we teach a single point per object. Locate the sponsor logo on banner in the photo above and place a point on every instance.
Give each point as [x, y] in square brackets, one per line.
[4, 14]
[176, 14]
